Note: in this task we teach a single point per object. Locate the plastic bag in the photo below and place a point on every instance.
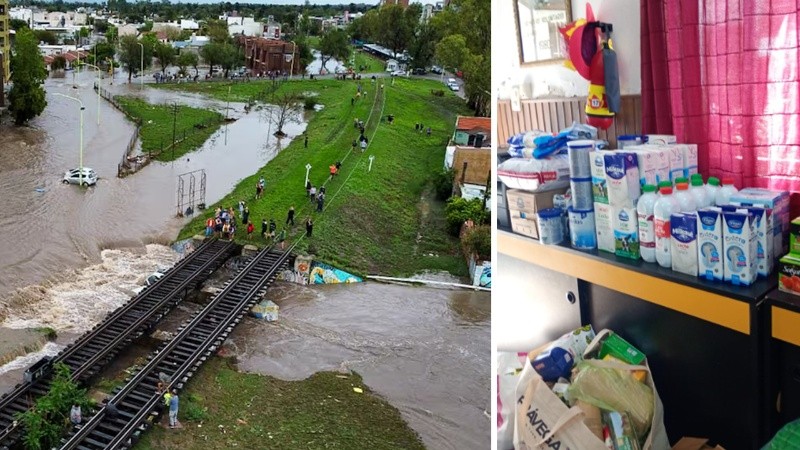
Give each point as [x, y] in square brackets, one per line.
[509, 370]
[535, 174]
[522, 145]
[609, 387]
[787, 438]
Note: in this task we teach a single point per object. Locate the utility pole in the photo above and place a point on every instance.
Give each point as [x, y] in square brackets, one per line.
[174, 121]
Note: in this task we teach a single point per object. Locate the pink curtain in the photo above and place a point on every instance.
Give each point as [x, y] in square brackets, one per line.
[724, 74]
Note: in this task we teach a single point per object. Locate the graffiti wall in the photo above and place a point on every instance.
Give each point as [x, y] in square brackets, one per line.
[322, 273]
[299, 273]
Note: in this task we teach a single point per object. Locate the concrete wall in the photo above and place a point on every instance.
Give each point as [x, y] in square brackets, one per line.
[553, 79]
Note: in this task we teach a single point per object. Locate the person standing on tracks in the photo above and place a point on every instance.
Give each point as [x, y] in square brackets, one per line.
[281, 239]
[309, 227]
[173, 409]
[290, 216]
[209, 226]
[75, 414]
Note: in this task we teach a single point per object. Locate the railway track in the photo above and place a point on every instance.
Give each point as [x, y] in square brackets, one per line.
[179, 358]
[94, 349]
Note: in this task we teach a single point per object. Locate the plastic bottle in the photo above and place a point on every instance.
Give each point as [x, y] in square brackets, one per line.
[662, 210]
[698, 191]
[712, 186]
[686, 201]
[723, 196]
[647, 235]
[665, 183]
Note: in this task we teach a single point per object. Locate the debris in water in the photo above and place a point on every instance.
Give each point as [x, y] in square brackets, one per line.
[358, 390]
[39, 189]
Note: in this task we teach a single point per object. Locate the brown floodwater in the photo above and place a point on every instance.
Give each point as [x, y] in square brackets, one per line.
[427, 351]
[50, 228]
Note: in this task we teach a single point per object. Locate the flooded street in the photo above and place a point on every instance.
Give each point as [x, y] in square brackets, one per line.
[425, 350]
[50, 228]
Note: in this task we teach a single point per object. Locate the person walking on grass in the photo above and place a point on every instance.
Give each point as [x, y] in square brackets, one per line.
[245, 215]
[290, 216]
[363, 145]
[264, 228]
[312, 194]
[250, 229]
[305, 142]
[259, 190]
[281, 239]
[209, 226]
[173, 409]
[241, 208]
[272, 227]
[320, 202]
[309, 227]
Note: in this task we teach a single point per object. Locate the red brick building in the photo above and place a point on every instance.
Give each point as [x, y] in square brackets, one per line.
[263, 55]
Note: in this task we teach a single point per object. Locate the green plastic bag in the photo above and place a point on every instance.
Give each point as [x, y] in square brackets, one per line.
[787, 438]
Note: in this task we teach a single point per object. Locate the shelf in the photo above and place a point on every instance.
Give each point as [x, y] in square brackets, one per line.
[785, 312]
[720, 303]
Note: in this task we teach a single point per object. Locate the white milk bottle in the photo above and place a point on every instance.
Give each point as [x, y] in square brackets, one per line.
[712, 186]
[662, 210]
[698, 192]
[647, 235]
[685, 199]
[723, 196]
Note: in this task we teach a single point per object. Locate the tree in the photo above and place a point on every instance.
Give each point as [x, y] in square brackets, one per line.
[173, 33]
[104, 50]
[231, 57]
[334, 44]
[286, 110]
[216, 30]
[59, 63]
[165, 54]
[26, 99]
[112, 34]
[188, 59]
[16, 24]
[303, 54]
[130, 55]
[213, 54]
[45, 36]
[396, 26]
[423, 46]
[83, 32]
[147, 27]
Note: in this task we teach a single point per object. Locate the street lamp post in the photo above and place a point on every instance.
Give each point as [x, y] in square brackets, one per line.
[308, 169]
[141, 72]
[98, 89]
[80, 147]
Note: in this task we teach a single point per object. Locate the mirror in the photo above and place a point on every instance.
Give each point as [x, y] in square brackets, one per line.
[537, 21]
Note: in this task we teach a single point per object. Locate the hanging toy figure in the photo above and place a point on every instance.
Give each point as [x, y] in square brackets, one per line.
[595, 60]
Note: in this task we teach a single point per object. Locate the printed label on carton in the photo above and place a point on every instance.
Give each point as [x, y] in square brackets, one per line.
[626, 232]
[689, 159]
[709, 244]
[738, 247]
[675, 157]
[762, 227]
[683, 228]
[598, 170]
[653, 165]
[789, 274]
[622, 179]
[661, 139]
[603, 227]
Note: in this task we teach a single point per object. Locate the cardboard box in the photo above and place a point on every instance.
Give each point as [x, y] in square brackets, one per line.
[789, 274]
[598, 170]
[526, 226]
[622, 178]
[689, 159]
[690, 443]
[653, 165]
[739, 247]
[661, 139]
[531, 202]
[603, 227]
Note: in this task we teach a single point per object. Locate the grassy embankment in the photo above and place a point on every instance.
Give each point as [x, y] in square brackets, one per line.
[193, 126]
[224, 409]
[371, 63]
[381, 222]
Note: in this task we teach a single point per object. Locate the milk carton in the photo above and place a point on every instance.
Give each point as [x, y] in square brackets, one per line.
[675, 158]
[709, 244]
[762, 226]
[778, 202]
[653, 165]
[604, 228]
[683, 246]
[739, 242]
[689, 152]
[622, 179]
[598, 171]
[626, 232]
[661, 139]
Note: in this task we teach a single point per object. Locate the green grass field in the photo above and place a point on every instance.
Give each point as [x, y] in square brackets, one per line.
[383, 221]
[224, 409]
[156, 133]
[372, 64]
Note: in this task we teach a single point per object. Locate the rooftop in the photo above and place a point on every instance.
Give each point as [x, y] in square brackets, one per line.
[474, 124]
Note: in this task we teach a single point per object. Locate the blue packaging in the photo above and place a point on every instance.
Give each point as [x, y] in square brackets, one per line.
[709, 244]
[554, 363]
[581, 228]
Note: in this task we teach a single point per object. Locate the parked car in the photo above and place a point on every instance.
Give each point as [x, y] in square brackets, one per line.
[398, 73]
[419, 71]
[453, 86]
[74, 176]
[451, 81]
[436, 69]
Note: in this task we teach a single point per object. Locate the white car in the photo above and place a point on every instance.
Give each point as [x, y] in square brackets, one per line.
[74, 176]
[453, 86]
[451, 81]
[398, 73]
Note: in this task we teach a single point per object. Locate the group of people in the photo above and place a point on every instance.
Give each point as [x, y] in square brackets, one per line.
[318, 197]
[420, 127]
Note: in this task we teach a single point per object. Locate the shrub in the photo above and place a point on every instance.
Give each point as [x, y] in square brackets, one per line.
[443, 183]
[437, 92]
[459, 210]
[194, 411]
[309, 103]
[478, 240]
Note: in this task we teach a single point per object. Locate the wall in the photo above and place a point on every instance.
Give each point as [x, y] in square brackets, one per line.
[553, 79]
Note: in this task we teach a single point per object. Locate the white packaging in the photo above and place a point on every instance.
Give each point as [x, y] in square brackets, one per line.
[653, 166]
[626, 232]
[689, 159]
[763, 227]
[598, 172]
[603, 227]
[709, 244]
[675, 158]
[622, 178]
[661, 139]
[683, 229]
[739, 247]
